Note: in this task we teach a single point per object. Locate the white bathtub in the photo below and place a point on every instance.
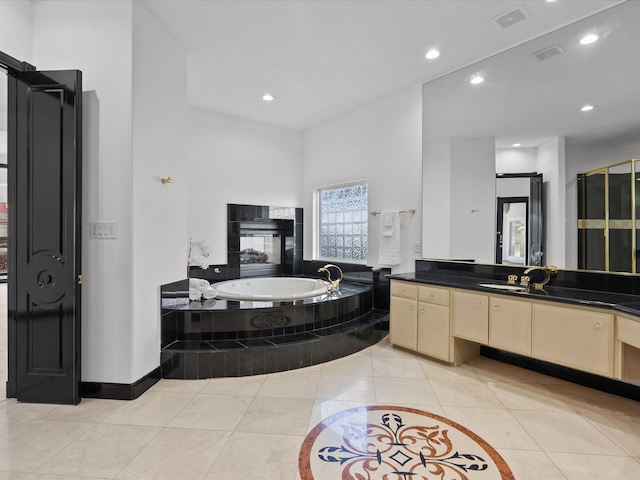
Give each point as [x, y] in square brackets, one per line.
[270, 288]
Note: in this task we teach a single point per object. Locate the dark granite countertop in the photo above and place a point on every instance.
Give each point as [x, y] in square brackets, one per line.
[621, 302]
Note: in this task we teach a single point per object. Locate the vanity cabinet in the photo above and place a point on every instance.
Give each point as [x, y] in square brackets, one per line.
[510, 324]
[470, 316]
[574, 337]
[628, 350]
[434, 337]
[403, 315]
[419, 319]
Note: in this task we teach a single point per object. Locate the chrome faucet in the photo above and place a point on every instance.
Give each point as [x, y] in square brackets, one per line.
[549, 271]
[334, 285]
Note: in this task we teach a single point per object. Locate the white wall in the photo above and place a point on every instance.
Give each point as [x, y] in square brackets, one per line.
[379, 142]
[581, 160]
[473, 199]
[516, 160]
[159, 210]
[551, 163]
[234, 160]
[104, 55]
[436, 199]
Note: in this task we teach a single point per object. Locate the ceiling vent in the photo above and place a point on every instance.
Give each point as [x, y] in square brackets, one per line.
[547, 53]
[511, 17]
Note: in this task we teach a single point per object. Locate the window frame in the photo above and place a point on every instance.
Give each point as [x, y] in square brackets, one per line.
[316, 221]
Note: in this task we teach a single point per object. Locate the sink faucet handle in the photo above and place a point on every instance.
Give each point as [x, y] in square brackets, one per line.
[512, 278]
[525, 279]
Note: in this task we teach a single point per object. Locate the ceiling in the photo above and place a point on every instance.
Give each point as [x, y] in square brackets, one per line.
[323, 58]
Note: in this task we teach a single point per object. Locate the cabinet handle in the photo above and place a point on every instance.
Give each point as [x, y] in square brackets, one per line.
[598, 325]
[497, 307]
[478, 304]
[410, 307]
[422, 310]
[432, 295]
[402, 290]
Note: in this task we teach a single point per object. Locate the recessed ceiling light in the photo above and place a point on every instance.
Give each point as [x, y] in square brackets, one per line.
[267, 97]
[476, 79]
[589, 39]
[433, 53]
[587, 108]
[516, 145]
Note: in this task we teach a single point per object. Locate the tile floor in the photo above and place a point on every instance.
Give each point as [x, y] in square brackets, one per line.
[253, 427]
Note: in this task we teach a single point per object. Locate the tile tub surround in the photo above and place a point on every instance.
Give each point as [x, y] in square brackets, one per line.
[227, 338]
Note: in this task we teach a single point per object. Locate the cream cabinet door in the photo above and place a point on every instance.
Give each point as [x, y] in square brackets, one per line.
[471, 316]
[510, 324]
[433, 330]
[403, 322]
[572, 337]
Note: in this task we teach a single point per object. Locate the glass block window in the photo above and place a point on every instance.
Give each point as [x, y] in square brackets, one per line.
[342, 226]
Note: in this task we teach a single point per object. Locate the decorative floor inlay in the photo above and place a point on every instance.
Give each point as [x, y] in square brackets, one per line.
[396, 443]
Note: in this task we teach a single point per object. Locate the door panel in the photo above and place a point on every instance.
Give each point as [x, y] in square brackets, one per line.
[44, 291]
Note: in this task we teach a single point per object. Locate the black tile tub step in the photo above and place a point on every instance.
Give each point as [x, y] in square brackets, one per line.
[233, 358]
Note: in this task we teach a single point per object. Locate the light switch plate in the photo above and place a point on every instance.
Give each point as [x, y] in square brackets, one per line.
[103, 229]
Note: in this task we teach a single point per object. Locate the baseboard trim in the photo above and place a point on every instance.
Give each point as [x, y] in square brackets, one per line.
[120, 391]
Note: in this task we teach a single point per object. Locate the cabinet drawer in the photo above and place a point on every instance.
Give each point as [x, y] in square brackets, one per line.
[404, 289]
[439, 296]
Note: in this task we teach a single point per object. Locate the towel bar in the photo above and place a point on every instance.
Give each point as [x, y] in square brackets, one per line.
[412, 211]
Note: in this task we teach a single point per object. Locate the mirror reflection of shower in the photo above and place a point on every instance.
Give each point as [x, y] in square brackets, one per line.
[512, 231]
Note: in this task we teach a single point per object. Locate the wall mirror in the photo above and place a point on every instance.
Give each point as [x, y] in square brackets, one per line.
[525, 116]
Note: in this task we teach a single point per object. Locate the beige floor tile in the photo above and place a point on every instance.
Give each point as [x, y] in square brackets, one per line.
[183, 386]
[351, 365]
[565, 432]
[624, 431]
[323, 409]
[384, 349]
[90, 410]
[152, 409]
[435, 369]
[25, 444]
[527, 396]
[492, 371]
[595, 467]
[531, 465]
[397, 367]
[344, 387]
[298, 385]
[212, 412]
[256, 456]
[48, 476]
[177, 454]
[397, 390]
[496, 426]
[464, 393]
[285, 416]
[588, 400]
[235, 385]
[101, 452]
[5, 475]
[12, 408]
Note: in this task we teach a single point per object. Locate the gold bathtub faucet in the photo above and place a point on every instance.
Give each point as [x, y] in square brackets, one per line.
[334, 285]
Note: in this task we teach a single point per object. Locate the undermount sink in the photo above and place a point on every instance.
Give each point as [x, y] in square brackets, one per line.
[504, 286]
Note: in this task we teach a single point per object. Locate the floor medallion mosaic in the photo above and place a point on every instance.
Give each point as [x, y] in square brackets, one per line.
[396, 443]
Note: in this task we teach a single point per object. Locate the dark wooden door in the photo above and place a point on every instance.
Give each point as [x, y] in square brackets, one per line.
[44, 136]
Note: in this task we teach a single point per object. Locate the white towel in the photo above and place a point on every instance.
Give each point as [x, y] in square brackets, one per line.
[389, 251]
[199, 284]
[195, 294]
[209, 293]
[388, 223]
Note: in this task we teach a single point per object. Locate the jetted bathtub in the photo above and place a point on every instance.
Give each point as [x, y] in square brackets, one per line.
[270, 288]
